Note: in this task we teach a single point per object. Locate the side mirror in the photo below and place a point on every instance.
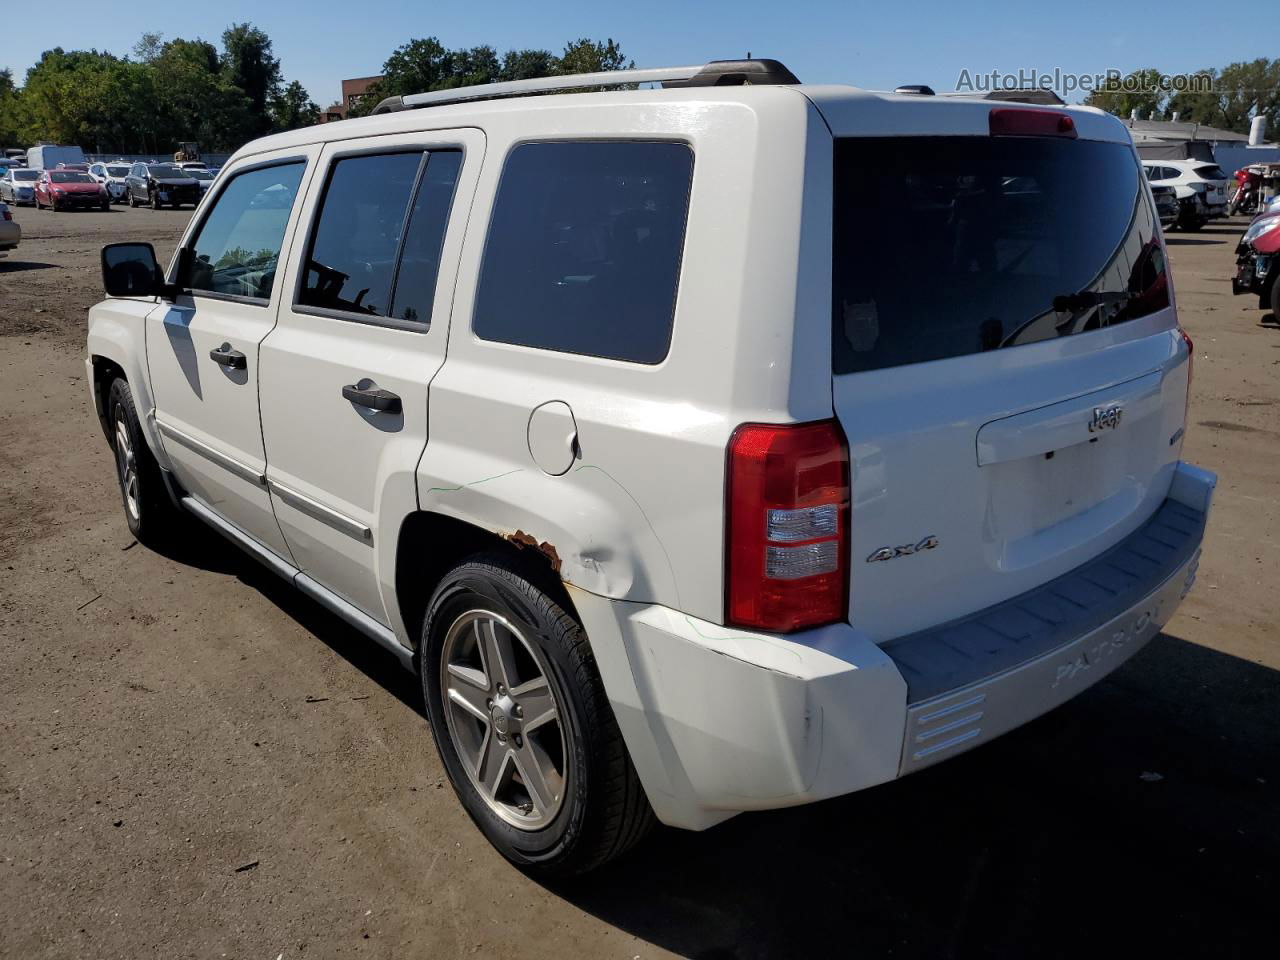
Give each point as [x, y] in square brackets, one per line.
[131, 270]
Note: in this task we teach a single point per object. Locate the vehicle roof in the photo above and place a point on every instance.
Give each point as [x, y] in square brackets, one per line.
[849, 111]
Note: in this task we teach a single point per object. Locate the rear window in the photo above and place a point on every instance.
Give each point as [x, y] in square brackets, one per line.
[1211, 172]
[584, 247]
[949, 246]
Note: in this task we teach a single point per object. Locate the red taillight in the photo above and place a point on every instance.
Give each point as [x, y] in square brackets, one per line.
[8, 215]
[1012, 122]
[787, 541]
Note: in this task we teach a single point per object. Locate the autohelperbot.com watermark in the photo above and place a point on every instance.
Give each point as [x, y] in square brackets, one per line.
[1066, 82]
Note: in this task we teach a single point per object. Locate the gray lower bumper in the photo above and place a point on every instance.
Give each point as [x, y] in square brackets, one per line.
[974, 679]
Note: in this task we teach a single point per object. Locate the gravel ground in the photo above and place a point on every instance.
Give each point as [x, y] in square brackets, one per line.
[197, 762]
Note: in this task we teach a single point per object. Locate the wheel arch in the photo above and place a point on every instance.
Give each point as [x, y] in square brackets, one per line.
[430, 544]
[117, 349]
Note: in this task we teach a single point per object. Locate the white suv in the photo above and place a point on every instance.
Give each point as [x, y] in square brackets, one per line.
[1201, 189]
[710, 448]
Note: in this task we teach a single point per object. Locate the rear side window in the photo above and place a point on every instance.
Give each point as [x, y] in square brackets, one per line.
[376, 246]
[584, 248]
[948, 246]
[238, 246]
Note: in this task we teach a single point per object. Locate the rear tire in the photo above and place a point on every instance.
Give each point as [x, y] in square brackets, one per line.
[1275, 300]
[592, 806]
[151, 515]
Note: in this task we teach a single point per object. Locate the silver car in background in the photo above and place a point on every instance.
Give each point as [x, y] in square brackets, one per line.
[18, 185]
[112, 175]
[201, 176]
[10, 232]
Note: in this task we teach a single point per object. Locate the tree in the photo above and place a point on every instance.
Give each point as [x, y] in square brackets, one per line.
[590, 56]
[9, 109]
[1141, 90]
[195, 100]
[1239, 92]
[248, 63]
[293, 108]
[422, 65]
[528, 64]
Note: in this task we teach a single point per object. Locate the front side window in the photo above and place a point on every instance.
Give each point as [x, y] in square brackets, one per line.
[584, 248]
[948, 246]
[238, 246]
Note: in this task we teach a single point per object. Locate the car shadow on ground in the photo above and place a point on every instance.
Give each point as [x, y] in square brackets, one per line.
[9, 265]
[1181, 241]
[1138, 819]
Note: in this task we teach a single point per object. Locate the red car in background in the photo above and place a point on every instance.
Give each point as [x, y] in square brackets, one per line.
[70, 189]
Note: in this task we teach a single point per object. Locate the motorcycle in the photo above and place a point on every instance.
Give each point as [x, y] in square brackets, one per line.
[1248, 189]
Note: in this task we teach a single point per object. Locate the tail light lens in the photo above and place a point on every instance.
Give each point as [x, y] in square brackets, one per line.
[788, 526]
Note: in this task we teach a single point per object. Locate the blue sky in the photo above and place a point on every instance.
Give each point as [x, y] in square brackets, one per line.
[874, 45]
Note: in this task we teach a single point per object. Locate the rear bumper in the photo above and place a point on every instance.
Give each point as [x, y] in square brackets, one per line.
[719, 720]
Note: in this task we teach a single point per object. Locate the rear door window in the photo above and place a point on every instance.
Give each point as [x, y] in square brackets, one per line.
[584, 247]
[947, 246]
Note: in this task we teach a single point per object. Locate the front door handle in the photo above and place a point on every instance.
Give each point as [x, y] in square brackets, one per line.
[371, 396]
[227, 357]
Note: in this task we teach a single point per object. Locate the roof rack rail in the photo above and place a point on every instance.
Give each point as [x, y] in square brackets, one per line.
[717, 73]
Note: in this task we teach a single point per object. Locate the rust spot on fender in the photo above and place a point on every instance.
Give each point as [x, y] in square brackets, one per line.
[523, 540]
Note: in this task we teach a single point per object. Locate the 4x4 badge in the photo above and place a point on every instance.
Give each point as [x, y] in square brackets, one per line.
[906, 550]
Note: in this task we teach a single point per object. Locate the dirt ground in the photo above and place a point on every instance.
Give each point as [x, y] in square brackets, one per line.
[195, 761]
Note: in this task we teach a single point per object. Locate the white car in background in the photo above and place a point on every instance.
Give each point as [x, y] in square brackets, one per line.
[18, 185]
[10, 232]
[201, 176]
[1201, 189]
[113, 176]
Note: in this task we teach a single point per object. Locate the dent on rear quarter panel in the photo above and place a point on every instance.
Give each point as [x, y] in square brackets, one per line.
[585, 520]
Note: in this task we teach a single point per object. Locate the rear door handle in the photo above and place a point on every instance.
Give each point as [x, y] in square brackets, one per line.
[373, 397]
[227, 357]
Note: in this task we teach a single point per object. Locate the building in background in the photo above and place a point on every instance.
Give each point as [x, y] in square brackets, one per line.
[353, 91]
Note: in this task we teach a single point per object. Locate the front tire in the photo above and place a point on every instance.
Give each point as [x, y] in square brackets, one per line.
[155, 200]
[150, 513]
[522, 724]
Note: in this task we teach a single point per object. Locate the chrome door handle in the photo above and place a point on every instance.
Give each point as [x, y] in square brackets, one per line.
[373, 397]
[225, 356]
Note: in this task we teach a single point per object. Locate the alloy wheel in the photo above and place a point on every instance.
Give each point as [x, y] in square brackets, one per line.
[504, 718]
[127, 464]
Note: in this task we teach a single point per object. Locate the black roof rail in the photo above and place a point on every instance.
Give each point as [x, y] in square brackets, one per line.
[920, 89]
[738, 73]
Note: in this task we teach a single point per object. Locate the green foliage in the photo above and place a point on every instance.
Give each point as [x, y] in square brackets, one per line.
[292, 108]
[169, 92]
[1236, 93]
[422, 65]
[248, 63]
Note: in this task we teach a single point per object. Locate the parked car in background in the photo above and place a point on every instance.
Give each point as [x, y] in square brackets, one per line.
[114, 176]
[1166, 199]
[47, 156]
[193, 165]
[10, 232]
[201, 176]
[160, 185]
[1258, 261]
[70, 190]
[473, 395]
[1201, 189]
[18, 185]
[77, 167]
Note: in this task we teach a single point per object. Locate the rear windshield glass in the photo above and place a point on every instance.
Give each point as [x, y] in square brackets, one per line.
[948, 246]
[1211, 173]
